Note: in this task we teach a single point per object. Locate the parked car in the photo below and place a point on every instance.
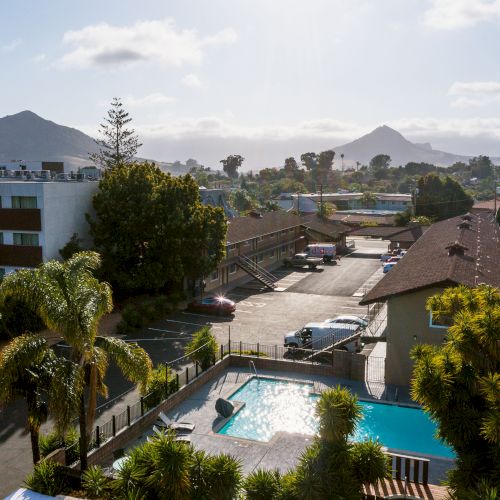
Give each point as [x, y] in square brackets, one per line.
[301, 260]
[388, 267]
[213, 305]
[349, 319]
[321, 335]
[395, 259]
[325, 251]
[385, 257]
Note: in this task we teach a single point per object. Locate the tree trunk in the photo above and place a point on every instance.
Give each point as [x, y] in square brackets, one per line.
[92, 402]
[83, 433]
[35, 447]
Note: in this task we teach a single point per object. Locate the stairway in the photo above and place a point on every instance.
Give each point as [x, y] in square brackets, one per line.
[258, 272]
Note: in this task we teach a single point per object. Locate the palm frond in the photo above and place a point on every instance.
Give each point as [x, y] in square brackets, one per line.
[133, 361]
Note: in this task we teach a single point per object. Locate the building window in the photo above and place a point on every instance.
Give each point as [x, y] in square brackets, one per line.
[1, 238]
[272, 235]
[231, 247]
[284, 231]
[0, 202]
[2, 272]
[247, 242]
[26, 239]
[260, 257]
[441, 322]
[283, 248]
[24, 202]
[215, 275]
[291, 248]
[271, 254]
[232, 268]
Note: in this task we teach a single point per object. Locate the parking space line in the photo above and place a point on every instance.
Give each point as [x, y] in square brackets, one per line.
[186, 323]
[167, 331]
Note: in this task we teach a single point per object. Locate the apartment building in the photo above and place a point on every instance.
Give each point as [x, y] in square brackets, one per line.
[56, 167]
[264, 239]
[38, 216]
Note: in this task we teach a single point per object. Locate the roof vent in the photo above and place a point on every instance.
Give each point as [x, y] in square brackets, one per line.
[456, 248]
[467, 216]
[256, 214]
[464, 225]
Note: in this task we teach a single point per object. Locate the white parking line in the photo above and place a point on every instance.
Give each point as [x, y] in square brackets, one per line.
[186, 323]
[167, 331]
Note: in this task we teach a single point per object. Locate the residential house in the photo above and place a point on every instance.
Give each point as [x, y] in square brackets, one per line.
[461, 250]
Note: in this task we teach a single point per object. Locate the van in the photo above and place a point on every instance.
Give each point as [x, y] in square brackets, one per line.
[322, 335]
[325, 251]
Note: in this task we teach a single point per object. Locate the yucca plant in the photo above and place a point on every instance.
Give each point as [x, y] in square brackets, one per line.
[95, 483]
[263, 484]
[47, 478]
[369, 462]
[223, 476]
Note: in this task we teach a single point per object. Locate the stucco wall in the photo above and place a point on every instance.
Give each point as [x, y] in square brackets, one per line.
[407, 317]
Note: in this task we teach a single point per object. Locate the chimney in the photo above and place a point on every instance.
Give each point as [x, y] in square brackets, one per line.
[456, 248]
[467, 216]
[464, 225]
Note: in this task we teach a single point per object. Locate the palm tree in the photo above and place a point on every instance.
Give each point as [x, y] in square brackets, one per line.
[71, 301]
[368, 199]
[30, 369]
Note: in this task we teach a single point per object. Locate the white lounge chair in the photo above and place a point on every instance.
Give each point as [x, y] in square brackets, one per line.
[165, 422]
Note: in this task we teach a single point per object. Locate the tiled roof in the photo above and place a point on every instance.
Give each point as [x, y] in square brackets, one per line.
[429, 262]
[411, 233]
[246, 228]
[486, 205]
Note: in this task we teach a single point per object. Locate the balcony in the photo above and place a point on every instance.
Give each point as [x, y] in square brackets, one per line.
[20, 219]
[20, 256]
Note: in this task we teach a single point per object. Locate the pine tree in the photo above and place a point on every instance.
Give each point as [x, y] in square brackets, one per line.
[119, 144]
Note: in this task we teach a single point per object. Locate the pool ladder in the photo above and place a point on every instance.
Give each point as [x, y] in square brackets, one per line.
[252, 368]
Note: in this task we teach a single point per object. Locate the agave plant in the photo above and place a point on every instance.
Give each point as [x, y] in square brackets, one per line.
[47, 478]
[263, 484]
[223, 476]
[95, 483]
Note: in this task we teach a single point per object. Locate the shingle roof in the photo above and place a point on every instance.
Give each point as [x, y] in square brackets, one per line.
[329, 228]
[246, 228]
[411, 233]
[429, 263]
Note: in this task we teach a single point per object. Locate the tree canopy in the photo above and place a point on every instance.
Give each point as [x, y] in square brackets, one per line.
[152, 229]
[441, 199]
[231, 164]
[458, 383]
[118, 144]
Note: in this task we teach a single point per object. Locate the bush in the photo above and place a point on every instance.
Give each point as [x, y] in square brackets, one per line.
[263, 485]
[52, 441]
[47, 478]
[156, 389]
[95, 482]
[202, 348]
[132, 316]
[141, 311]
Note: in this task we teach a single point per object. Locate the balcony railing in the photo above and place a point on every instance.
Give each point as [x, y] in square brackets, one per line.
[20, 219]
[20, 256]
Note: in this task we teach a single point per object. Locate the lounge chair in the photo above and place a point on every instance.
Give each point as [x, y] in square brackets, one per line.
[165, 422]
[183, 437]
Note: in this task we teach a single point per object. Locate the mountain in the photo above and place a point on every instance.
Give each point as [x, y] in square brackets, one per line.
[389, 141]
[27, 136]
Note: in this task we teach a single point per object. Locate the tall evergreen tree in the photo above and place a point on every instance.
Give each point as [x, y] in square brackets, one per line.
[119, 144]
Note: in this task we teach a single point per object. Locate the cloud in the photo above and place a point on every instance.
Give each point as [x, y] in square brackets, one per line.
[159, 41]
[192, 81]
[40, 58]
[455, 14]
[154, 99]
[467, 94]
[11, 46]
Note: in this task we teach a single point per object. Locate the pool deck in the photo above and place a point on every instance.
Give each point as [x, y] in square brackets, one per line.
[284, 449]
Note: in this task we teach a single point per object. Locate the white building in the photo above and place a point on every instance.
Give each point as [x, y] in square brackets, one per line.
[35, 166]
[38, 217]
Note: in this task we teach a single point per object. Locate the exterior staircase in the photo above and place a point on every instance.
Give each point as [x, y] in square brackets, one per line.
[256, 271]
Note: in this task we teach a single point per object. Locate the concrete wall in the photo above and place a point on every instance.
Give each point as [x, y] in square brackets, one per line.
[407, 318]
[65, 206]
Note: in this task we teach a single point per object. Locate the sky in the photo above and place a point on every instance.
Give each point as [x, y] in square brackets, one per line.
[266, 79]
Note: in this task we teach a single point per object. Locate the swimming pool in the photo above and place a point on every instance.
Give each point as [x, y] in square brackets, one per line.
[273, 405]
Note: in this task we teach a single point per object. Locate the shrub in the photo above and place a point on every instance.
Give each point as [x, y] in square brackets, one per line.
[263, 485]
[156, 389]
[52, 441]
[369, 462]
[132, 316]
[47, 478]
[222, 476]
[202, 348]
[95, 482]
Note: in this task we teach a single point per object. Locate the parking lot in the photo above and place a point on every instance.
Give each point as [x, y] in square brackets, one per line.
[266, 316]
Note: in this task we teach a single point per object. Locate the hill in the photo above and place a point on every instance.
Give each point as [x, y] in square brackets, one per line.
[389, 141]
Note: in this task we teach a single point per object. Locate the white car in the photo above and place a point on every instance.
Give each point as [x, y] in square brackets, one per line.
[346, 318]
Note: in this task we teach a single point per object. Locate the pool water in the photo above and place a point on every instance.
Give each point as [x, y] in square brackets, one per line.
[273, 405]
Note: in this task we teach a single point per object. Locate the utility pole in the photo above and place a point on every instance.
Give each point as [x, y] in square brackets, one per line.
[298, 202]
[321, 200]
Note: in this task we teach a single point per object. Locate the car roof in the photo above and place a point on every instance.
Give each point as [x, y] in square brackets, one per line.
[331, 326]
[347, 316]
